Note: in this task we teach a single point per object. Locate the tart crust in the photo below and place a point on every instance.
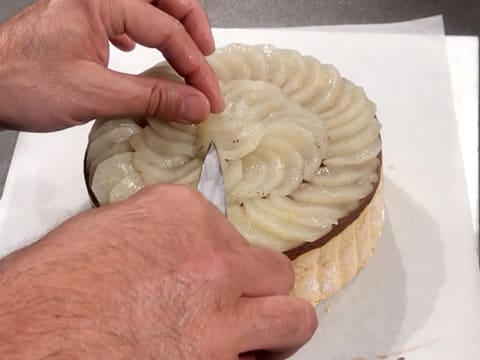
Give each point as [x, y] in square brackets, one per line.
[321, 272]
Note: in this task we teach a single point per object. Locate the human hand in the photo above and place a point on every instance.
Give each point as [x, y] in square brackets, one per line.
[161, 275]
[54, 54]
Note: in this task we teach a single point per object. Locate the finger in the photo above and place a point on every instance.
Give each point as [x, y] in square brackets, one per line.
[249, 356]
[276, 324]
[154, 28]
[192, 15]
[123, 42]
[111, 94]
[264, 272]
[267, 355]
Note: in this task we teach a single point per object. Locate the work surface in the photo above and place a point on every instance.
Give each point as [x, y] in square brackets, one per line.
[426, 258]
[461, 16]
[404, 293]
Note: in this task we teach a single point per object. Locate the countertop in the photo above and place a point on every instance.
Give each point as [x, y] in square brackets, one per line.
[461, 17]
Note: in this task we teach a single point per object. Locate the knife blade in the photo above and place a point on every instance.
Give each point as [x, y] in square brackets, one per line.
[211, 183]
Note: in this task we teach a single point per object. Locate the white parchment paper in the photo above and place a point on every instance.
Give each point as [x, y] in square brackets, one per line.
[419, 297]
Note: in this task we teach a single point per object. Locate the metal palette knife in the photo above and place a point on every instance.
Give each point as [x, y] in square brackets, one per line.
[211, 179]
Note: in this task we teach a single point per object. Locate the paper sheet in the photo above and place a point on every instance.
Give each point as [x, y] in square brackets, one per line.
[425, 26]
[419, 295]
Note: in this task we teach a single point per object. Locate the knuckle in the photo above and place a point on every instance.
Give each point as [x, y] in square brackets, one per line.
[198, 64]
[175, 26]
[166, 194]
[162, 103]
[280, 265]
[221, 266]
[180, 201]
[174, 29]
[190, 197]
[286, 270]
[297, 321]
[182, 194]
[280, 324]
[237, 239]
[153, 191]
[194, 203]
[308, 324]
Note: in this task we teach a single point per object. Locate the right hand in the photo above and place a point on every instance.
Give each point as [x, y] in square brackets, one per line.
[160, 275]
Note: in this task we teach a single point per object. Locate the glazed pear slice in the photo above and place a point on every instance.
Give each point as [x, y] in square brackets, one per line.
[256, 236]
[345, 99]
[289, 212]
[355, 143]
[104, 126]
[257, 62]
[352, 101]
[191, 179]
[363, 156]
[167, 131]
[166, 146]
[249, 59]
[308, 210]
[252, 101]
[263, 172]
[118, 148]
[276, 68]
[188, 128]
[232, 173]
[327, 98]
[331, 176]
[128, 186]
[229, 66]
[355, 126]
[302, 140]
[253, 178]
[295, 70]
[249, 93]
[325, 195]
[153, 175]
[286, 231]
[109, 134]
[109, 173]
[304, 119]
[314, 82]
[145, 157]
[292, 163]
[235, 139]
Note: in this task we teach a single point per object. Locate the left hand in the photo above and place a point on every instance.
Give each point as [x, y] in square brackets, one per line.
[54, 57]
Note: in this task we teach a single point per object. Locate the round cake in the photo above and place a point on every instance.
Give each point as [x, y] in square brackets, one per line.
[301, 156]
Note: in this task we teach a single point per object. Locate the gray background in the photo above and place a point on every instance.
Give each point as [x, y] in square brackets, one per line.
[461, 17]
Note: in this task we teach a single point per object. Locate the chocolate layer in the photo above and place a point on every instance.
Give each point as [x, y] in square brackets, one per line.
[342, 223]
[86, 175]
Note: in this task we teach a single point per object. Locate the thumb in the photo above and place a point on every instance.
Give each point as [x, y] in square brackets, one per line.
[277, 324]
[123, 42]
[112, 94]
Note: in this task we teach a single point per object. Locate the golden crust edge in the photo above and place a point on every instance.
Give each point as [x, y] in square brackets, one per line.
[322, 272]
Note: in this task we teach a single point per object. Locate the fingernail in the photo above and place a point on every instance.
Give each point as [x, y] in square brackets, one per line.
[212, 42]
[221, 105]
[194, 108]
